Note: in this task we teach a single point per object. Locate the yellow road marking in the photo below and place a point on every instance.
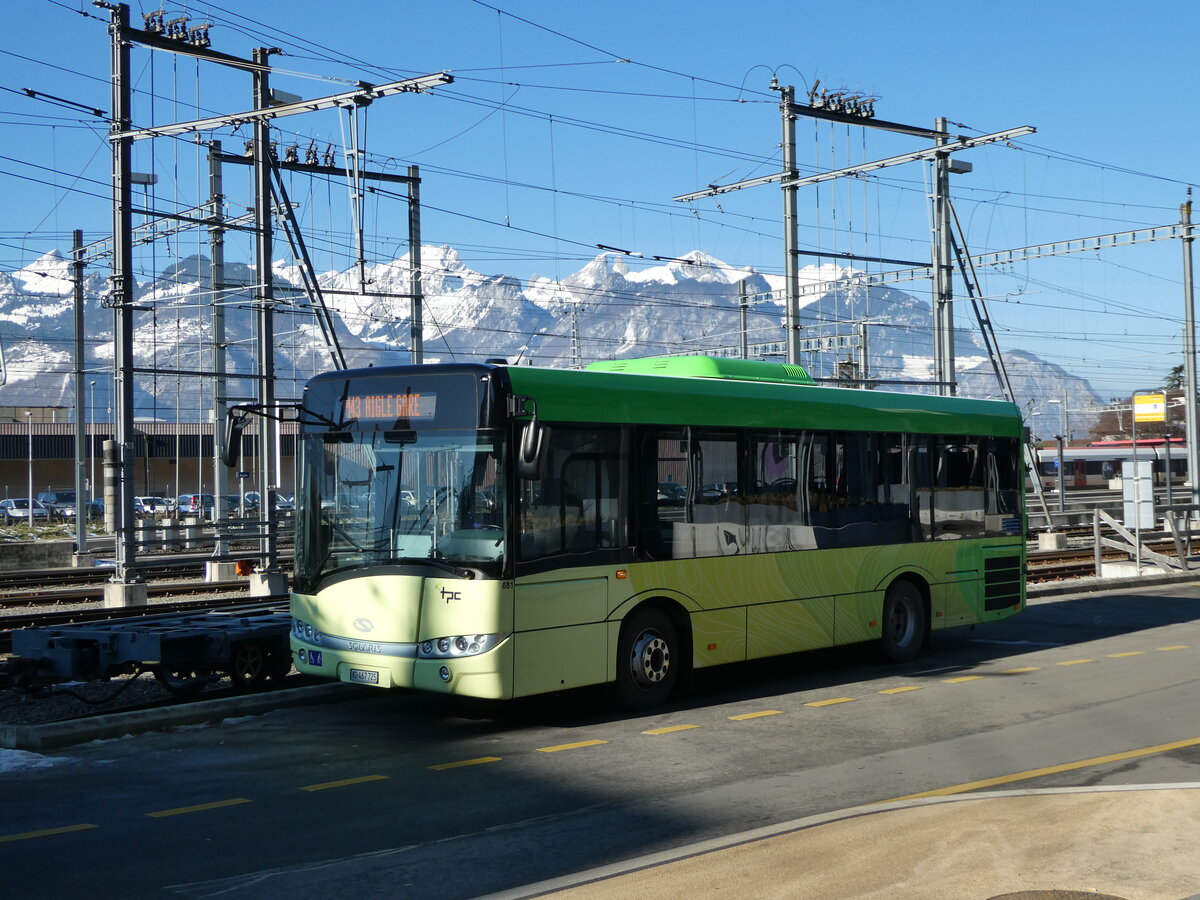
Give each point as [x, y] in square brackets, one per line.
[901, 690]
[1176, 647]
[1126, 653]
[832, 702]
[343, 783]
[670, 729]
[574, 746]
[1022, 670]
[1051, 770]
[757, 715]
[1074, 662]
[466, 762]
[961, 679]
[45, 832]
[199, 807]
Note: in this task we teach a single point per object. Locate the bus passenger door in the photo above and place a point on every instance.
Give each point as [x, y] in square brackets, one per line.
[561, 636]
[570, 535]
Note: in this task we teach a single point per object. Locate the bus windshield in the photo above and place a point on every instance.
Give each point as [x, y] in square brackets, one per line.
[378, 498]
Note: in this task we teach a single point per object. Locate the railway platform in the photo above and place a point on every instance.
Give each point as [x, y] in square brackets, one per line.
[1131, 843]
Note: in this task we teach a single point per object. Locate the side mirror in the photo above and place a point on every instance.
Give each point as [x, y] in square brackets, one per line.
[531, 451]
[531, 446]
[236, 420]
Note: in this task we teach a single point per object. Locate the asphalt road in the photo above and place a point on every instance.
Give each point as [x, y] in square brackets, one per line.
[404, 795]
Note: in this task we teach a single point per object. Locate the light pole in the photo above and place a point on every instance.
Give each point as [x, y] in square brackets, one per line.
[178, 459]
[90, 440]
[1062, 437]
[29, 425]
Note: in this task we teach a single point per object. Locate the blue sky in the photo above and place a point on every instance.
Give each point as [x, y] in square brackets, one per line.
[571, 125]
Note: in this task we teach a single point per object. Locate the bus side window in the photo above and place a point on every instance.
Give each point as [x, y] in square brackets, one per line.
[576, 506]
[1002, 481]
[775, 470]
[664, 488]
[920, 466]
[959, 497]
[894, 490]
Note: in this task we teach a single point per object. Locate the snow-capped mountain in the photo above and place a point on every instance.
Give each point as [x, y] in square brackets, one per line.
[606, 309]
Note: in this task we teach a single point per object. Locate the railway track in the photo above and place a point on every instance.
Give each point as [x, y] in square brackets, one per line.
[94, 593]
[37, 588]
[1059, 565]
[1060, 571]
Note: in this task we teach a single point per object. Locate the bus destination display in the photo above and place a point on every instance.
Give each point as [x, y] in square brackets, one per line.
[390, 407]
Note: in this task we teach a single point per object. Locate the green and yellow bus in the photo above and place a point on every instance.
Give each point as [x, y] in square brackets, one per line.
[500, 531]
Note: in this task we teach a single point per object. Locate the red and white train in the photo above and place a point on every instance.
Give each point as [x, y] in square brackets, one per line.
[1099, 464]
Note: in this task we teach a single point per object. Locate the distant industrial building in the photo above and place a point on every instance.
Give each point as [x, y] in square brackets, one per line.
[168, 458]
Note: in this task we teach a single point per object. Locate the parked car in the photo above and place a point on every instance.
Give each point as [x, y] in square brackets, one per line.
[346, 502]
[17, 509]
[194, 505]
[151, 506]
[719, 490]
[282, 501]
[671, 494]
[233, 504]
[59, 503]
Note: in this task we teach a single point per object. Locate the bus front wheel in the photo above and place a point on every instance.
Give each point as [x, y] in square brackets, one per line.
[904, 622]
[648, 659]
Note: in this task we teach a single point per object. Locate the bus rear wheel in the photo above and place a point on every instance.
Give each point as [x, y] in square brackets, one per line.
[648, 659]
[904, 622]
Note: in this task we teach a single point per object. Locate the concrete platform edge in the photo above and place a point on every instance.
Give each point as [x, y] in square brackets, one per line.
[1096, 585]
[700, 848]
[74, 731]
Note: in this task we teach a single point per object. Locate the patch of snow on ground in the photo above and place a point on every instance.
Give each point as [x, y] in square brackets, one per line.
[17, 760]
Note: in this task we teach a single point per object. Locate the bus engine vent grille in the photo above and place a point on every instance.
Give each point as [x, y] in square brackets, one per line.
[1002, 577]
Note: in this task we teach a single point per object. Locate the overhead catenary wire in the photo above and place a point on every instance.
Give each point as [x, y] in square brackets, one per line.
[555, 236]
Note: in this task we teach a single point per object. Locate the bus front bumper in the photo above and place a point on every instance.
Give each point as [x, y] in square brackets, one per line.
[487, 675]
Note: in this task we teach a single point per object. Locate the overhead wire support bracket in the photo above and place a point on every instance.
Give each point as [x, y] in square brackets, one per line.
[42, 95]
[926, 153]
[317, 169]
[1035, 251]
[833, 115]
[162, 228]
[365, 93]
[158, 42]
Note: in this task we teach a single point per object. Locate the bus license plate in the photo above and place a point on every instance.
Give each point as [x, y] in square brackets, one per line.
[364, 676]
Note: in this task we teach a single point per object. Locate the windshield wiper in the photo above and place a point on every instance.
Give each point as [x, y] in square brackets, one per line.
[338, 528]
[436, 563]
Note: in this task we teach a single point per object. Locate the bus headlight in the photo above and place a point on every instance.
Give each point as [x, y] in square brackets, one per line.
[458, 645]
